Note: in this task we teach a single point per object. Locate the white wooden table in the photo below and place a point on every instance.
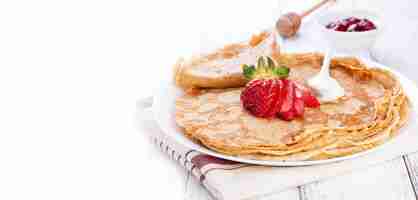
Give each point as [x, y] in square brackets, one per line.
[396, 179]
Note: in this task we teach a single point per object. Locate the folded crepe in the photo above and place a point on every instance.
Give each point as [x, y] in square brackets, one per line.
[222, 68]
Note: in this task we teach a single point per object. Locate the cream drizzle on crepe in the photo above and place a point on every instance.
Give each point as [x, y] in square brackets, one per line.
[327, 88]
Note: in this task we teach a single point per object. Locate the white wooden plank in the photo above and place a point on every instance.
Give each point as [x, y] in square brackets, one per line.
[411, 162]
[289, 194]
[389, 180]
[195, 191]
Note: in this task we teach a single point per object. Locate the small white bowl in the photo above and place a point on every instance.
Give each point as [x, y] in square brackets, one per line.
[348, 42]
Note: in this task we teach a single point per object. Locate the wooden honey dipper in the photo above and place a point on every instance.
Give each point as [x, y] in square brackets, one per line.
[288, 24]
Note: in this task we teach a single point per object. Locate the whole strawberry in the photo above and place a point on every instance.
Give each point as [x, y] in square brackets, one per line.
[269, 94]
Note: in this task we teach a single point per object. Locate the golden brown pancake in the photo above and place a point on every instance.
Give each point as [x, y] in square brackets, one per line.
[222, 68]
[373, 108]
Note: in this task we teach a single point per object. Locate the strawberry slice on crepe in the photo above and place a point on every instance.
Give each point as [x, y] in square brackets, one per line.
[269, 93]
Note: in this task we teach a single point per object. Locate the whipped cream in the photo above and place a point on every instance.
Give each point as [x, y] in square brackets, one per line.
[327, 88]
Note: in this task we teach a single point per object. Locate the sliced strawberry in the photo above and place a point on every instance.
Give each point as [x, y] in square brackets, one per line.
[298, 105]
[269, 97]
[265, 95]
[287, 96]
[289, 115]
[286, 111]
[308, 98]
[276, 91]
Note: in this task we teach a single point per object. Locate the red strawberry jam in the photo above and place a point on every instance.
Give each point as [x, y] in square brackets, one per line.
[351, 24]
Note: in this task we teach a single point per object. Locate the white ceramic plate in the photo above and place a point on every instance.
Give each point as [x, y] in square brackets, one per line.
[164, 114]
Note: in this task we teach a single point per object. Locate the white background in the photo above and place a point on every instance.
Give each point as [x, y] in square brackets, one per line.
[70, 73]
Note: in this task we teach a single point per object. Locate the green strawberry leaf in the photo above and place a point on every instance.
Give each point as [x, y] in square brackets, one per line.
[282, 72]
[248, 70]
[264, 68]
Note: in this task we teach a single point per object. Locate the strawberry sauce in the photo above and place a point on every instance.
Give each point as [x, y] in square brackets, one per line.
[352, 24]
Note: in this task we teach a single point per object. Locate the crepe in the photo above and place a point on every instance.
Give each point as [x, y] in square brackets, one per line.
[373, 108]
[222, 69]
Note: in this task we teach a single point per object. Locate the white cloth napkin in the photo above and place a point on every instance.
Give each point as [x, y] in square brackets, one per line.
[230, 180]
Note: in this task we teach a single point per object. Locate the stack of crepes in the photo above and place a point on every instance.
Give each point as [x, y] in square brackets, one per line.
[373, 109]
